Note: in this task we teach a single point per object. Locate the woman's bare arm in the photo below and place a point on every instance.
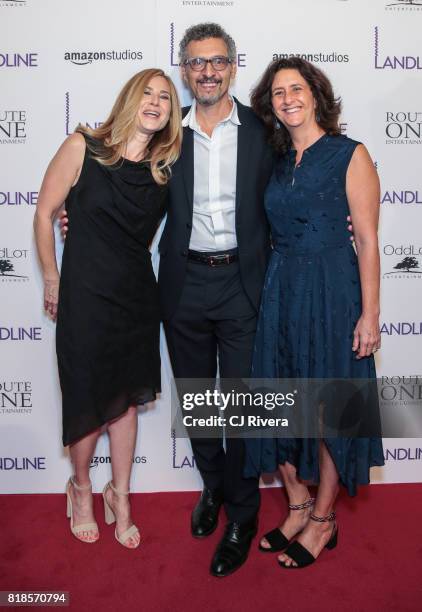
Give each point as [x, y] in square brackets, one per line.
[363, 194]
[62, 173]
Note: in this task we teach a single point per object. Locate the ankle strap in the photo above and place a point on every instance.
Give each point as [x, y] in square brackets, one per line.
[324, 519]
[79, 487]
[307, 504]
[113, 488]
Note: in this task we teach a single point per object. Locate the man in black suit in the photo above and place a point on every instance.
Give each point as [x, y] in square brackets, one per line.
[213, 255]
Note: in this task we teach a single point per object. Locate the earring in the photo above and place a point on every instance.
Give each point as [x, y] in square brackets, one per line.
[277, 124]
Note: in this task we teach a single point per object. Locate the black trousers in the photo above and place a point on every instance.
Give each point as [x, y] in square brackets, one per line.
[216, 319]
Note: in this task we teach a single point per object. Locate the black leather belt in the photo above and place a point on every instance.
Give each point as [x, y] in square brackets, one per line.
[216, 259]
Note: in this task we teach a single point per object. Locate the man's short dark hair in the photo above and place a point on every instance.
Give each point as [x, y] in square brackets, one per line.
[203, 31]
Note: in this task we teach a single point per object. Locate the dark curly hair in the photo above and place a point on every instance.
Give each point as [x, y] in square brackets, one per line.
[202, 31]
[327, 110]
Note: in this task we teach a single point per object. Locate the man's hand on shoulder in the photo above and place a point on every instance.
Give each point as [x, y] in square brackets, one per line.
[63, 223]
[350, 227]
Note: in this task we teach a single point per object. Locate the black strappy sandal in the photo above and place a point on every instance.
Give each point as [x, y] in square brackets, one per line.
[301, 555]
[276, 539]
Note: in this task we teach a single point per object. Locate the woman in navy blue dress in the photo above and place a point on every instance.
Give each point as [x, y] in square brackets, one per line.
[320, 304]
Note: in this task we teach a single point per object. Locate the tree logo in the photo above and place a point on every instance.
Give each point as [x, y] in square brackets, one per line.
[407, 266]
[404, 3]
[6, 267]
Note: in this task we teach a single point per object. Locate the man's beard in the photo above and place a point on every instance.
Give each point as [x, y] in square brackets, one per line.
[210, 100]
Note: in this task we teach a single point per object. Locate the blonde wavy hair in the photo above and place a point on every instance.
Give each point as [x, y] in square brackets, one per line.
[110, 139]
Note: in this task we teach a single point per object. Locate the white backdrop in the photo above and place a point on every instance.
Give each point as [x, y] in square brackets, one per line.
[372, 53]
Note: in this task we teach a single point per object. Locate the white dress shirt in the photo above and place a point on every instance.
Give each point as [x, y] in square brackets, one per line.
[214, 186]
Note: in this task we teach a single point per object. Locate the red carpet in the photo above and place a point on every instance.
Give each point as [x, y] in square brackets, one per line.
[377, 565]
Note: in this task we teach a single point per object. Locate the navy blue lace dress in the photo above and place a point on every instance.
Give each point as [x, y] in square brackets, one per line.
[311, 303]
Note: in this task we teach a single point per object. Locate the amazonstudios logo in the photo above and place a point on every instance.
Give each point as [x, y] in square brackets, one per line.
[84, 58]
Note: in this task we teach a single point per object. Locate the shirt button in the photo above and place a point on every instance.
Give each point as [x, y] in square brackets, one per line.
[189, 225]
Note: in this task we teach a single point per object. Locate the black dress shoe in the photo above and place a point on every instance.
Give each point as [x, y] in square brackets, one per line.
[233, 548]
[205, 514]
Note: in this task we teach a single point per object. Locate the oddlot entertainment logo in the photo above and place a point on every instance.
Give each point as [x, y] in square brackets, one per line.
[404, 5]
[16, 397]
[406, 261]
[393, 62]
[12, 127]
[12, 3]
[83, 58]
[13, 261]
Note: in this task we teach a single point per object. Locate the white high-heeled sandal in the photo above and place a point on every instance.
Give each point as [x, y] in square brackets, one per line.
[83, 527]
[110, 517]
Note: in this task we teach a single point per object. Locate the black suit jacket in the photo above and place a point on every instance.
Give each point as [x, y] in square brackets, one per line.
[254, 166]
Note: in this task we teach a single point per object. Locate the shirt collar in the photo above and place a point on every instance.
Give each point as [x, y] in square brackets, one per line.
[190, 118]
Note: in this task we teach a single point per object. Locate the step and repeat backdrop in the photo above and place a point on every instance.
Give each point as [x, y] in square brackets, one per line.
[63, 62]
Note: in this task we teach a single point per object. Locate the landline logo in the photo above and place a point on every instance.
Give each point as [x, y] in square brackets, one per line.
[402, 328]
[403, 454]
[18, 198]
[21, 334]
[22, 463]
[18, 60]
[393, 62]
[400, 196]
[186, 461]
[70, 128]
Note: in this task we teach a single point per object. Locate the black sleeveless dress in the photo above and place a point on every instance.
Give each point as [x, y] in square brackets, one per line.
[108, 321]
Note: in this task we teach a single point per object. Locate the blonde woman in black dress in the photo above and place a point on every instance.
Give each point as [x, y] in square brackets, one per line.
[113, 180]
